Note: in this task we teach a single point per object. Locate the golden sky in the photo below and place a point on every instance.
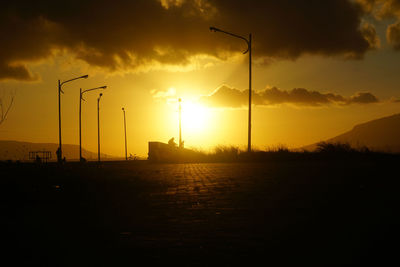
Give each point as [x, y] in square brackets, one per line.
[318, 69]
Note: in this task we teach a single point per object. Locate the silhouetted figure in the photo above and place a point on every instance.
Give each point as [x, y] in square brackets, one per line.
[58, 153]
[38, 159]
[64, 160]
[171, 142]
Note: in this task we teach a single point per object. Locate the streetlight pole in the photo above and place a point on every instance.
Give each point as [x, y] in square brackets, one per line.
[98, 127]
[180, 124]
[80, 116]
[248, 41]
[60, 84]
[59, 150]
[126, 153]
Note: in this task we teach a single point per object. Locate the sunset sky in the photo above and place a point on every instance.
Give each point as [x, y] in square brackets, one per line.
[319, 68]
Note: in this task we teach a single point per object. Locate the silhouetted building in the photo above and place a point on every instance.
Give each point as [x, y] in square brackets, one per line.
[159, 151]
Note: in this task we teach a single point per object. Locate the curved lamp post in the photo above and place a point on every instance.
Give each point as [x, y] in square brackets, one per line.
[60, 84]
[126, 153]
[98, 127]
[80, 116]
[248, 41]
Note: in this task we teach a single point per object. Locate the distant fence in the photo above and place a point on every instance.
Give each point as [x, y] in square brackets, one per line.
[40, 156]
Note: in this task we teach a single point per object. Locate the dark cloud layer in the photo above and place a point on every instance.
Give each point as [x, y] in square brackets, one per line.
[126, 34]
[225, 96]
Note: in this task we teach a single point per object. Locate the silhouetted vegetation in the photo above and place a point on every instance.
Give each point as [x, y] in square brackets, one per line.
[223, 153]
[325, 150]
[336, 147]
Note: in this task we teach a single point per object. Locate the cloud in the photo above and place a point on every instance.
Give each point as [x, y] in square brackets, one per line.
[393, 35]
[381, 9]
[369, 33]
[225, 96]
[171, 92]
[168, 96]
[127, 35]
[389, 8]
[16, 71]
[385, 9]
[363, 98]
[394, 100]
[298, 96]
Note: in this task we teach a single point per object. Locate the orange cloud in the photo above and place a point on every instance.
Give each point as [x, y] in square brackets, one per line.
[393, 35]
[225, 96]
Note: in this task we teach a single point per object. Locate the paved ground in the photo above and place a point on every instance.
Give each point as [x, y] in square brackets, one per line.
[301, 213]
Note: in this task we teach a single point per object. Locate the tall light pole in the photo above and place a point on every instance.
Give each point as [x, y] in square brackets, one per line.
[126, 153]
[180, 124]
[60, 84]
[80, 116]
[98, 127]
[248, 41]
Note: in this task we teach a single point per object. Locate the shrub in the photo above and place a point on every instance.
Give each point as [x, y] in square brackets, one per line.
[326, 147]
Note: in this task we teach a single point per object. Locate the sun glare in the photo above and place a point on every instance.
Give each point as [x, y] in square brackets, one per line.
[195, 117]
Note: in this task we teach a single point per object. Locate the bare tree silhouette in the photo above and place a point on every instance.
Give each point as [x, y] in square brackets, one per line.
[5, 106]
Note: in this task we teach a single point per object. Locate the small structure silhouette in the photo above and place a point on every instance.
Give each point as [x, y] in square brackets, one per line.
[40, 156]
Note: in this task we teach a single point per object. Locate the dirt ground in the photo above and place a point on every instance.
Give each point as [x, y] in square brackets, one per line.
[330, 212]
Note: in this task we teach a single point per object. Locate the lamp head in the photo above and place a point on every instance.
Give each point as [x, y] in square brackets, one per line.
[213, 29]
[103, 87]
[84, 76]
[101, 94]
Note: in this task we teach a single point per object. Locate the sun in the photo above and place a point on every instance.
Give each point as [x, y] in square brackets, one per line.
[195, 117]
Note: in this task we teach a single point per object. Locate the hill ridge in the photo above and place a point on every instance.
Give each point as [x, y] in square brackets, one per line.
[19, 150]
[380, 134]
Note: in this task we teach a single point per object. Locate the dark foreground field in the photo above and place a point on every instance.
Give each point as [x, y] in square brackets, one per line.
[302, 212]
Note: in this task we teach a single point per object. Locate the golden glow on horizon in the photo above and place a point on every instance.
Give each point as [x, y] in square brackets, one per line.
[151, 102]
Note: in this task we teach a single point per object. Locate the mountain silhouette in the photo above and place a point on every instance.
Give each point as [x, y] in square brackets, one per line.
[378, 135]
[16, 150]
